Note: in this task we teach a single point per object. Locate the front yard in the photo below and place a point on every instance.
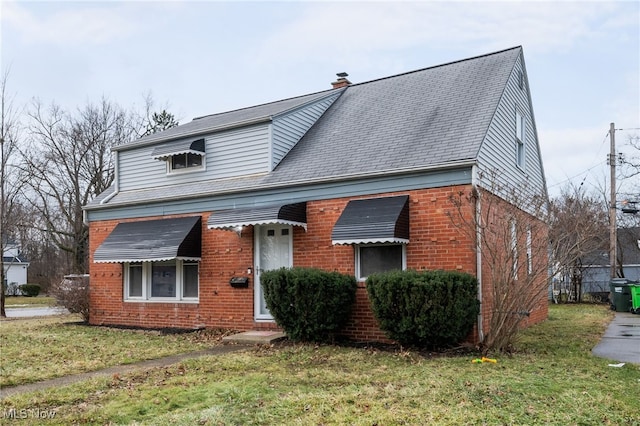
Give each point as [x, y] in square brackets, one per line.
[551, 379]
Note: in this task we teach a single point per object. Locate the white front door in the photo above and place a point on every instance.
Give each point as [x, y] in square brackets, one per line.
[273, 250]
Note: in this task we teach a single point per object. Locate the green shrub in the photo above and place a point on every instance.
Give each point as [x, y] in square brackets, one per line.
[309, 304]
[30, 290]
[434, 309]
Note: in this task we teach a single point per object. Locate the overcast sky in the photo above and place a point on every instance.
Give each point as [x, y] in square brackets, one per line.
[204, 57]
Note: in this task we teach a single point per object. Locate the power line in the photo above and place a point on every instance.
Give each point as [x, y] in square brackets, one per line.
[598, 164]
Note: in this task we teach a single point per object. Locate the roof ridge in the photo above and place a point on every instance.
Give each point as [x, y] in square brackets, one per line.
[437, 66]
[263, 104]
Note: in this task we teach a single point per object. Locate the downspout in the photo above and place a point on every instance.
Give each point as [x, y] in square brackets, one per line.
[478, 219]
[116, 186]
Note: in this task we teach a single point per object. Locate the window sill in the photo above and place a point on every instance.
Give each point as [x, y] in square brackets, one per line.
[186, 302]
[186, 170]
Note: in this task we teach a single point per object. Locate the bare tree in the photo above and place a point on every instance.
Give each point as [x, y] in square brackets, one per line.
[68, 163]
[9, 188]
[511, 235]
[151, 121]
[631, 164]
[578, 235]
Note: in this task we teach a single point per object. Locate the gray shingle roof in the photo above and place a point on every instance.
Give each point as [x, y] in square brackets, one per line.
[429, 118]
[423, 118]
[215, 122]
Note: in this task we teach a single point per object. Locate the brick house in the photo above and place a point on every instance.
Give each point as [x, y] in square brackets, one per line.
[357, 178]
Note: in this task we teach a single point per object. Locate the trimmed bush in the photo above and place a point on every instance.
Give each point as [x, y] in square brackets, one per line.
[30, 290]
[309, 304]
[433, 309]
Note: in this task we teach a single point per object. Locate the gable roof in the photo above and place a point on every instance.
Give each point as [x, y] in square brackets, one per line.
[434, 116]
[430, 119]
[628, 246]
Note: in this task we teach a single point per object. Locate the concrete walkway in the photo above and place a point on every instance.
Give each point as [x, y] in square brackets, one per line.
[119, 369]
[621, 340]
[235, 343]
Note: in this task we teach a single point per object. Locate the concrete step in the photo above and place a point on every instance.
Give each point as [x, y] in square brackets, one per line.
[255, 337]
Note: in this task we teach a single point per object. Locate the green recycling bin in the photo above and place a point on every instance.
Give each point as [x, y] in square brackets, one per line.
[635, 298]
[621, 294]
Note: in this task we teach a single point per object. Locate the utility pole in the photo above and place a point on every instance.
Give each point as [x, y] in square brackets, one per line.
[613, 240]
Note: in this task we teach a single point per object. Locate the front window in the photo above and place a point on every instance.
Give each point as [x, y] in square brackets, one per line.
[379, 258]
[135, 280]
[163, 279]
[172, 280]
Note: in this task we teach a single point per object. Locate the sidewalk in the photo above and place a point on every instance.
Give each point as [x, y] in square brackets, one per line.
[119, 369]
[621, 340]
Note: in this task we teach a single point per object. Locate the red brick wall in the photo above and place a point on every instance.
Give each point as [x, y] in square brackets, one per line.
[435, 243]
[497, 216]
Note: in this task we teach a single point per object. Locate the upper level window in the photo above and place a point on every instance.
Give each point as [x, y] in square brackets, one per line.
[182, 156]
[520, 139]
[186, 161]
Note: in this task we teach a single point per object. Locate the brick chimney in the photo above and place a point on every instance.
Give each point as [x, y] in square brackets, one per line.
[342, 80]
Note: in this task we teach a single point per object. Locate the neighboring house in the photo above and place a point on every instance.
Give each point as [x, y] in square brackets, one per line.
[15, 266]
[597, 274]
[356, 179]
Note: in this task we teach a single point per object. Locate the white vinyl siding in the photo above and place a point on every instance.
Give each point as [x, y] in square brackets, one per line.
[498, 150]
[238, 152]
[231, 153]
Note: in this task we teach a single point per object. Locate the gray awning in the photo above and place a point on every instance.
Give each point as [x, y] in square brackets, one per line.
[179, 147]
[287, 214]
[374, 220]
[152, 240]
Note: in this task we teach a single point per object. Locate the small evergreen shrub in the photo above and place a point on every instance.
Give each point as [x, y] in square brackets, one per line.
[30, 290]
[434, 309]
[309, 304]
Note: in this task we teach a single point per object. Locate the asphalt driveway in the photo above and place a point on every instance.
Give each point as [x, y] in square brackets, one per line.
[621, 340]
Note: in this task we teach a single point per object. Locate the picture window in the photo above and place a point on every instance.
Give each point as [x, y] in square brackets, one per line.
[173, 280]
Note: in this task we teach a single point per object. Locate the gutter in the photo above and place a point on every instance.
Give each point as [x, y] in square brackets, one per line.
[295, 183]
[478, 213]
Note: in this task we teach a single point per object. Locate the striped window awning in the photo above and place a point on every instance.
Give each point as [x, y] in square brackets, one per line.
[373, 220]
[152, 240]
[284, 214]
[179, 147]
